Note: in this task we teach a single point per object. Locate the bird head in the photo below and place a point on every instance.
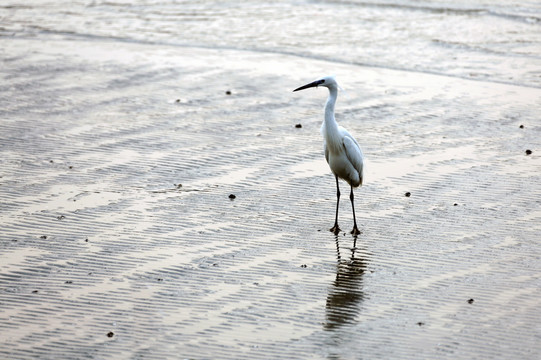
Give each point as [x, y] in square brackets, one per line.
[327, 81]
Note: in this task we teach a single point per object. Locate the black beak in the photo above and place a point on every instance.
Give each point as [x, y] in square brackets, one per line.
[312, 84]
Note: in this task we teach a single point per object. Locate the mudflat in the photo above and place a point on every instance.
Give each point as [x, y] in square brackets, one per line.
[119, 237]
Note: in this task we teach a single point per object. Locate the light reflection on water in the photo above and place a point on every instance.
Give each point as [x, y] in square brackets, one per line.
[219, 278]
[495, 41]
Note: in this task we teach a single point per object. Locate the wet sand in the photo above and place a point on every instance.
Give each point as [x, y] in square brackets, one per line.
[119, 238]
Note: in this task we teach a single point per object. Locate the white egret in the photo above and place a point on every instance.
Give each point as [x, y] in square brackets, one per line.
[342, 152]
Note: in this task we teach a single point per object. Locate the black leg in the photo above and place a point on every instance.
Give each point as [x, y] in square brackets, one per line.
[355, 230]
[335, 229]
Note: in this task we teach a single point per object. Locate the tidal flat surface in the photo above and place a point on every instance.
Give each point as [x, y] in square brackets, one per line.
[124, 130]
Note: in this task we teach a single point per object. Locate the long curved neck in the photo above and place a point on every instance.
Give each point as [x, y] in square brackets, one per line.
[330, 122]
[329, 128]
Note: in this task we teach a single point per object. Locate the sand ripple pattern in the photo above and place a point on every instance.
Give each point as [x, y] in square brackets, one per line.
[119, 239]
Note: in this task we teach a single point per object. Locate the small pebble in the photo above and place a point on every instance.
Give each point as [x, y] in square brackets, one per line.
[68, 282]
[407, 194]
[43, 237]
[521, 126]
[177, 100]
[34, 291]
[528, 152]
[228, 92]
[303, 265]
[86, 240]
[231, 196]
[60, 217]
[470, 301]
[455, 204]
[110, 334]
[298, 126]
[71, 167]
[420, 323]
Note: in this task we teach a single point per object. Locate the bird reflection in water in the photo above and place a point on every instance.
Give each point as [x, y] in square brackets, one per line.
[346, 294]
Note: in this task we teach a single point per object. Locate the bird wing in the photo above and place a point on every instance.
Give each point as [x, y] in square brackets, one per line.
[353, 153]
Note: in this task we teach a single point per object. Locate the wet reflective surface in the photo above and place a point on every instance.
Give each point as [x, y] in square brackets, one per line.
[346, 295]
[125, 129]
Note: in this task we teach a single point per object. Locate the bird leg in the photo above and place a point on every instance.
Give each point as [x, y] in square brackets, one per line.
[335, 229]
[355, 230]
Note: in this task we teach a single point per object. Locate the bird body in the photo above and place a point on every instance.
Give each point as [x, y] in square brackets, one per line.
[342, 151]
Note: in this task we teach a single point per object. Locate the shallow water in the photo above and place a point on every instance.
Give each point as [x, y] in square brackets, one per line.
[120, 148]
[486, 40]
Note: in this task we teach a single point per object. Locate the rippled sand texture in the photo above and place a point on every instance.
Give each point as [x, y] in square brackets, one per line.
[117, 165]
[119, 239]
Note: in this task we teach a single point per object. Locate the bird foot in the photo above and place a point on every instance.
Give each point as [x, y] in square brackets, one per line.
[355, 231]
[335, 229]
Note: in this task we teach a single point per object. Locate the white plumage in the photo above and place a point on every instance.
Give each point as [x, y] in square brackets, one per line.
[342, 151]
